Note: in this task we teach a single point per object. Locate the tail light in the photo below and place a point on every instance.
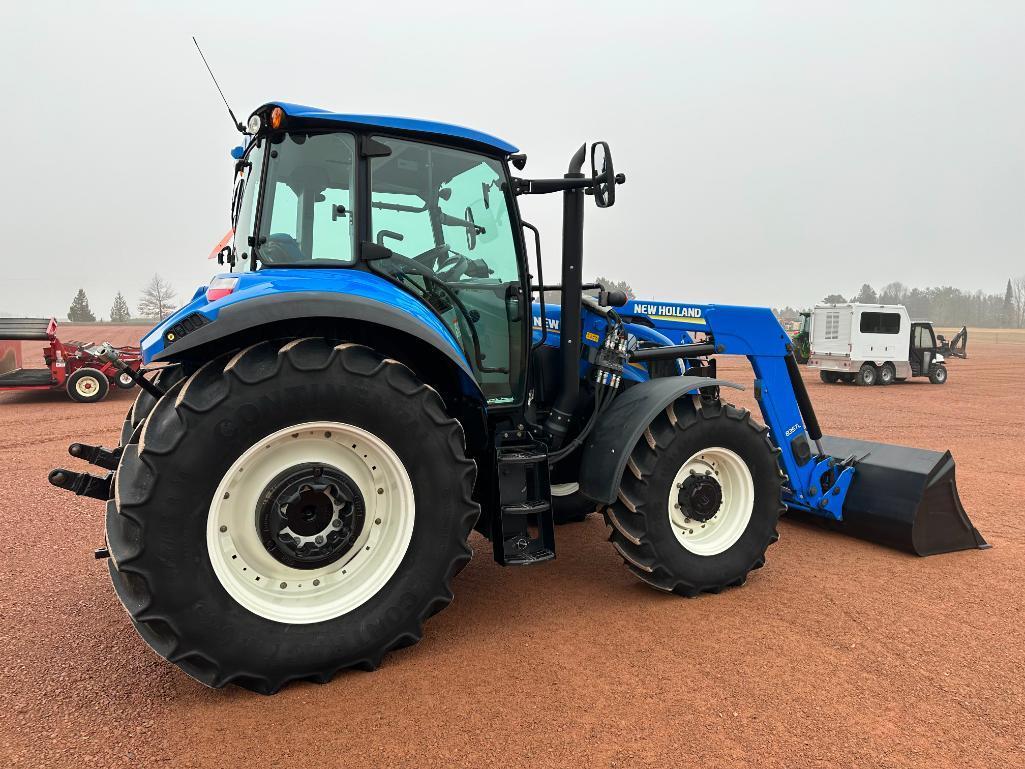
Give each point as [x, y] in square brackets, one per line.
[220, 288]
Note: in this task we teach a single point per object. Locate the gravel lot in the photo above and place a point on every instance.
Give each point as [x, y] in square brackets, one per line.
[838, 653]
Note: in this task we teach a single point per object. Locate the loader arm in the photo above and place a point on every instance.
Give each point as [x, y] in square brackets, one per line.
[817, 482]
[901, 496]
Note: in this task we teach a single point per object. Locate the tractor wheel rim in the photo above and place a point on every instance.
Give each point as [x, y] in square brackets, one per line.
[86, 386]
[263, 583]
[721, 530]
[126, 380]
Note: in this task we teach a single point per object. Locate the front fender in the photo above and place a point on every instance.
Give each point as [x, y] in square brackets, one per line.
[608, 447]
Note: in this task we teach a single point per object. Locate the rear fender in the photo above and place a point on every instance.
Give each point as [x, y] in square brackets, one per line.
[608, 448]
[267, 300]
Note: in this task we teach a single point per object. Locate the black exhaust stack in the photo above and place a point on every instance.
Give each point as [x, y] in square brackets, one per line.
[557, 423]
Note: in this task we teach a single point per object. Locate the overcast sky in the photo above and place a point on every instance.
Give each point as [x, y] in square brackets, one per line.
[775, 151]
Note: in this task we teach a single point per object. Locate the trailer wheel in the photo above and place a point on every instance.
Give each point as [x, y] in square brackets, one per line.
[887, 374]
[829, 377]
[296, 509]
[88, 385]
[867, 375]
[124, 381]
[699, 501]
[938, 374]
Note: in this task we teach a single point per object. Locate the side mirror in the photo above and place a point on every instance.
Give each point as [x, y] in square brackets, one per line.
[603, 176]
[604, 180]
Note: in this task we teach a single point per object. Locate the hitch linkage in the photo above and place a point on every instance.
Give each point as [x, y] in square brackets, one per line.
[96, 455]
[82, 484]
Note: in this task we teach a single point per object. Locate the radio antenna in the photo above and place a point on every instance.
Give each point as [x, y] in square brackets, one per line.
[241, 128]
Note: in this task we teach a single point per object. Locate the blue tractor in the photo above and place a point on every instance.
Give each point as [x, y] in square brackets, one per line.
[376, 374]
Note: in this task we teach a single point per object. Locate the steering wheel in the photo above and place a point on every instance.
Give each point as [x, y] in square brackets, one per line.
[453, 269]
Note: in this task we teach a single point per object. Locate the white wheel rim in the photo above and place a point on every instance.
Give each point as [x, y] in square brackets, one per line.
[276, 591]
[87, 386]
[126, 380]
[722, 531]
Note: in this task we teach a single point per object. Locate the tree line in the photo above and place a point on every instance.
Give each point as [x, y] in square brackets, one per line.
[943, 305]
[156, 301]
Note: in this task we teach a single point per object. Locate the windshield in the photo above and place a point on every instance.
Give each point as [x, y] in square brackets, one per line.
[305, 218]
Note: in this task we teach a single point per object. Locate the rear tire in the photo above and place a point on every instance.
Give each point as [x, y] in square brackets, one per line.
[887, 374]
[867, 376]
[656, 537]
[166, 379]
[88, 385]
[184, 518]
[938, 374]
[829, 377]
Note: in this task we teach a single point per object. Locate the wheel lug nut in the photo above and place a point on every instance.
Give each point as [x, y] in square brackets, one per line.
[320, 539]
[337, 523]
[316, 582]
[284, 585]
[223, 529]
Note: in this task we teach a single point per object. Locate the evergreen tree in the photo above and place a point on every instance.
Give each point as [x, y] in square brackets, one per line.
[79, 311]
[119, 312]
[1008, 315]
[867, 295]
[834, 299]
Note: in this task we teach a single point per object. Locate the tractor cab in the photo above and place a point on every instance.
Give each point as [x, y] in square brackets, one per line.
[426, 206]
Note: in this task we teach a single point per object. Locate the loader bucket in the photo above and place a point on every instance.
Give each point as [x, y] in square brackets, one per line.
[904, 498]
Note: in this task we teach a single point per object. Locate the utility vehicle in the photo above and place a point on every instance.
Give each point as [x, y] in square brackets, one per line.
[372, 378]
[872, 344]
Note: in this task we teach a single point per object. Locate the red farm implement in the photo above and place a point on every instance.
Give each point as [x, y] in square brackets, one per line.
[73, 366]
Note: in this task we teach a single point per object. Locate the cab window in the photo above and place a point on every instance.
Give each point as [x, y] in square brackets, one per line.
[307, 214]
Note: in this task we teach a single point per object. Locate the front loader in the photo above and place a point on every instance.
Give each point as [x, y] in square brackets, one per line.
[372, 378]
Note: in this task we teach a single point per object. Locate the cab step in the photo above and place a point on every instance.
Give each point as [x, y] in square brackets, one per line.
[523, 532]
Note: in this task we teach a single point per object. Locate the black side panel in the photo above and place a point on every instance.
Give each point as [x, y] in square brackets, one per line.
[24, 328]
[295, 305]
[608, 448]
[904, 498]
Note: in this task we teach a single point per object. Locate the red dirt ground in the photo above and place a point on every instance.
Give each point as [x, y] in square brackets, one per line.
[838, 653]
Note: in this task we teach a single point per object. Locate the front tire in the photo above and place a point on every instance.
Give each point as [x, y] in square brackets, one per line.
[938, 374]
[227, 501]
[88, 385]
[699, 501]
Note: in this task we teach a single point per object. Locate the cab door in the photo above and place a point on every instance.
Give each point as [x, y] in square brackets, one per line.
[446, 216]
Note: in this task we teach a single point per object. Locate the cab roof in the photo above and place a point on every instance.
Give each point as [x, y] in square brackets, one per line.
[411, 125]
